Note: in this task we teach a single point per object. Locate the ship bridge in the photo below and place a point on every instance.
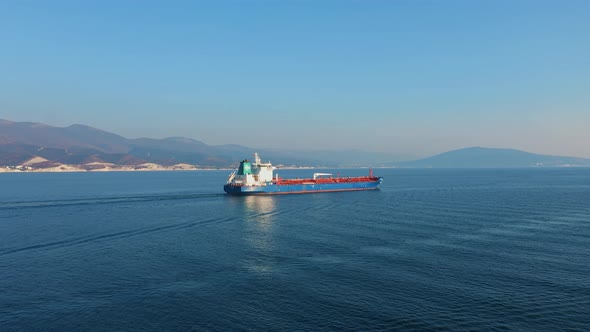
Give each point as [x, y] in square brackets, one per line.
[252, 173]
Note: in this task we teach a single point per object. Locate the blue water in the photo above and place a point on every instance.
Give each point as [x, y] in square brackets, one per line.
[433, 250]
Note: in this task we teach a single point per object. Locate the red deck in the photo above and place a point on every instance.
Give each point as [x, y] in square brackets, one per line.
[285, 182]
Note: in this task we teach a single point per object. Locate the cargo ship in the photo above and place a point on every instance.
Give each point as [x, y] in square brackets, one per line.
[256, 178]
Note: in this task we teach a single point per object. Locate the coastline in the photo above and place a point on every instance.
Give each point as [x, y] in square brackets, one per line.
[64, 168]
[82, 169]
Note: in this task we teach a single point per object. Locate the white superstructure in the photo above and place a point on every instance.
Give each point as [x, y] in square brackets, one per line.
[252, 174]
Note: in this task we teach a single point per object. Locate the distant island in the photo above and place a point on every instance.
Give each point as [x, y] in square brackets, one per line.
[37, 147]
[479, 157]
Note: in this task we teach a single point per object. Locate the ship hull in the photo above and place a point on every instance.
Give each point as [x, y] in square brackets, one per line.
[283, 189]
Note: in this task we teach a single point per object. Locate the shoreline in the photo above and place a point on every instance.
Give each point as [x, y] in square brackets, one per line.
[102, 170]
[77, 169]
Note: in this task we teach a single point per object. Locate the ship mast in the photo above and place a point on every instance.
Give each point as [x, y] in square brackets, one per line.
[257, 159]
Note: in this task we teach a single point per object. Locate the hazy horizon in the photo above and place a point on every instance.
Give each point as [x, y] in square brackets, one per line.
[402, 77]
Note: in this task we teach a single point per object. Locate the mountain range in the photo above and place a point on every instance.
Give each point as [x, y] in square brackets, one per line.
[20, 142]
[80, 144]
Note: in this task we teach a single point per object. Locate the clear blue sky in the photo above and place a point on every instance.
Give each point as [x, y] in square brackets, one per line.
[412, 77]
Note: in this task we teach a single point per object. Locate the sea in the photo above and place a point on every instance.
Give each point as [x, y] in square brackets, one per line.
[431, 250]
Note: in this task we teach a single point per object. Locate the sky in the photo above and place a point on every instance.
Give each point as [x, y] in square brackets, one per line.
[412, 77]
